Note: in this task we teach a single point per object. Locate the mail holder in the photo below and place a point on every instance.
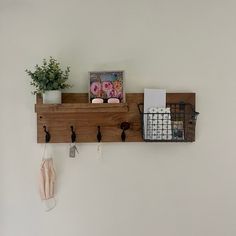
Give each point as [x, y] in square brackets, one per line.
[175, 123]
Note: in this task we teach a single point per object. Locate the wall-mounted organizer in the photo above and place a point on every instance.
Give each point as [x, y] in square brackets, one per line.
[115, 122]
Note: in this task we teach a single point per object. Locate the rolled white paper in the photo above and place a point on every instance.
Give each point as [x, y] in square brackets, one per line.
[166, 116]
[155, 132]
[164, 136]
[154, 122]
[152, 116]
[167, 122]
[159, 131]
[164, 131]
[166, 127]
[152, 110]
[160, 110]
[151, 136]
[152, 127]
[167, 131]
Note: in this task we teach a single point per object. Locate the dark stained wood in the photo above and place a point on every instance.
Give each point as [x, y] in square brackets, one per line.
[81, 107]
[130, 98]
[85, 117]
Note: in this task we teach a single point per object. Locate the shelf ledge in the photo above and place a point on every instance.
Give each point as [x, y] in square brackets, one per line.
[81, 107]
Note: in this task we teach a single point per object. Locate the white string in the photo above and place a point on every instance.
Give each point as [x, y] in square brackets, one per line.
[99, 150]
[44, 150]
[50, 204]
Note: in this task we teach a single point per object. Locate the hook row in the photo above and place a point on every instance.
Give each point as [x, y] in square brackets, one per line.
[124, 126]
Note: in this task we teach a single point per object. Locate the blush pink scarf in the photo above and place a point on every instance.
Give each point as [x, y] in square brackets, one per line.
[47, 179]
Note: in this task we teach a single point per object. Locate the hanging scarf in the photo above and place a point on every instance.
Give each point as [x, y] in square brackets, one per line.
[47, 181]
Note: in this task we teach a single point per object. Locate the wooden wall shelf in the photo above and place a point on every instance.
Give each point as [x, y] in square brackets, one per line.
[81, 107]
[86, 117]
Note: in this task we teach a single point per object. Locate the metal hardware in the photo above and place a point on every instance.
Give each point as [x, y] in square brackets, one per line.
[175, 125]
[73, 135]
[47, 134]
[124, 126]
[99, 135]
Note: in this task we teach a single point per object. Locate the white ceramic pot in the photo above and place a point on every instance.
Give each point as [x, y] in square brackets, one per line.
[52, 97]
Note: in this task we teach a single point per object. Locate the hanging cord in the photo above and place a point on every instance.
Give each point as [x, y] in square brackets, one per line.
[99, 150]
[50, 204]
[44, 151]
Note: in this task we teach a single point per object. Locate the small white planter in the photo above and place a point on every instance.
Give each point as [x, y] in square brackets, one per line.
[52, 97]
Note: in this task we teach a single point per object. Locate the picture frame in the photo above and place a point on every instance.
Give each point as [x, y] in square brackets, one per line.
[106, 84]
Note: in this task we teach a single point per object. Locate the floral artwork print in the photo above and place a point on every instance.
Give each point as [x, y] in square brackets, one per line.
[106, 85]
[95, 88]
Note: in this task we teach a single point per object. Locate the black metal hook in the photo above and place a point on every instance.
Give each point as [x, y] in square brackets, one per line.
[99, 135]
[47, 134]
[124, 126]
[195, 115]
[73, 135]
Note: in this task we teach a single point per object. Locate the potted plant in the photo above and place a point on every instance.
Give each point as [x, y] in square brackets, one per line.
[48, 80]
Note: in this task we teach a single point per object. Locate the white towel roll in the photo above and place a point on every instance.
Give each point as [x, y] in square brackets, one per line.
[154, 122]
[152, 110]
[154, 132]
[167, 131]
[160, 110]
[159, 131]
[153, 126]
[166, 116]
[152, 116]
[164, 131]
[166, 127]
[164, 137]
[167, 122]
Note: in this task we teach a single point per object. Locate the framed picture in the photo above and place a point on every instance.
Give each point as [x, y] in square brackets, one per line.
[106, 84]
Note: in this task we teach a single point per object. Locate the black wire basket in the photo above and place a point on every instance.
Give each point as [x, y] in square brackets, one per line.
[175, 123]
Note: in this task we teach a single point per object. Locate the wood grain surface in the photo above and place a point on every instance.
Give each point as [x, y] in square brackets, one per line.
[86, 117]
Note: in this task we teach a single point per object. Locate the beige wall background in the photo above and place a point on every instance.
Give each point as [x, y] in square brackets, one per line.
[136, 189]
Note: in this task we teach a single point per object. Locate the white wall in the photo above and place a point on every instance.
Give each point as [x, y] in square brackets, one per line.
[138, 188]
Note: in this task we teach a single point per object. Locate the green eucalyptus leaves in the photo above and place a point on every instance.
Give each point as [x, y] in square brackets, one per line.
[49, 76]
